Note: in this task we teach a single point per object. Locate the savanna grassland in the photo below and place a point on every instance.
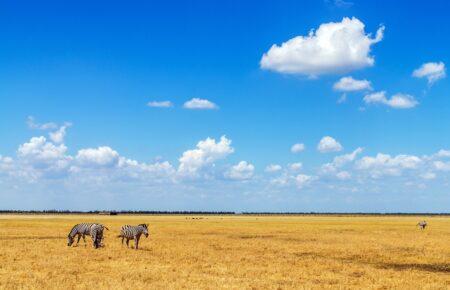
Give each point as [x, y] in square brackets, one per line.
[228, 252]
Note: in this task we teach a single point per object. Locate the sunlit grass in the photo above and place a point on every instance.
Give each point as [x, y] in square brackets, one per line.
[228, 252]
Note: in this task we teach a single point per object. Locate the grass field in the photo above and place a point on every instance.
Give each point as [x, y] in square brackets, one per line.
[229, 252]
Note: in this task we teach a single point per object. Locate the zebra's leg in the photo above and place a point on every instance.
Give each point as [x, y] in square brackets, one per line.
[84, 239]
[94, 241]
[122, 240]
[136, 243]
[128, 241]
[79, 237]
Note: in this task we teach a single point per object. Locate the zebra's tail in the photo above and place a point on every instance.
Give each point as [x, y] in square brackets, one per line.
[119, 236]
[106, 228]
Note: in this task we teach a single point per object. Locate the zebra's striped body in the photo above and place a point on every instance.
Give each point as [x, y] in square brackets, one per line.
[83, 230]
[97, 235]
[133, 232]
[422, 225]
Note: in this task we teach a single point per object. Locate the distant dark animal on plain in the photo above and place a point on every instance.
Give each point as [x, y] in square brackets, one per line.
[84, 229]
[133, 232]
[422, 225]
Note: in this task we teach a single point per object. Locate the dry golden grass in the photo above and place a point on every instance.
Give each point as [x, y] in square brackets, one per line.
[229, 252]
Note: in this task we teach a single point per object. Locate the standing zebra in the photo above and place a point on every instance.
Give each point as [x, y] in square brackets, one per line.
[133, 232]
[83, 230]
[422, 225]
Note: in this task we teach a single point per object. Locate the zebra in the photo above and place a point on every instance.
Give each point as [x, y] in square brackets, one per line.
[83, 230]
[133, 232]
[97, 235]
[422, 225]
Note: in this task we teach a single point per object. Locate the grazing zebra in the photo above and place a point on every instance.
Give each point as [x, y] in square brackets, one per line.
[422, 225]
[83, 230]
[97, 235]
[133, 232]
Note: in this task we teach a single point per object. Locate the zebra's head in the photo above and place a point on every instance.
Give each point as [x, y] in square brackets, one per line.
[70, 240]
[145, 229]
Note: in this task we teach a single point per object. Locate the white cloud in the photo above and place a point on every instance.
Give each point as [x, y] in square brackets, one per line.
[241, 171]
[343, 4]
[303, 180]
[433, 71]
[443, 153]
[342, 99]
[273, 168]
[6, 164]
[136, 170]
[441, 166]
[428, 175]
[41, 158]
[329, 144]
[397, 101]
[200, 104]
[298, 147]
[295, 166]
[333, 48]
[343, 175]
[349, 84]
[39, 150]
[340, 161]
[384, 164]
[32, 124]
[102, 156]
[206, 153]
[58, 135]
[160, 104]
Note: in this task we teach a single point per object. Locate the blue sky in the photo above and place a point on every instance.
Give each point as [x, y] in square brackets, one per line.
[123, 106]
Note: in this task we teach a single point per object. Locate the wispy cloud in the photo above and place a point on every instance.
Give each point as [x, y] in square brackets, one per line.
[160, 104]
[200, 104]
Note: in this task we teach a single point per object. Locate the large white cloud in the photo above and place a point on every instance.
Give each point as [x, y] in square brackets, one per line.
[41, 158]
[397, 101]
[329, 144]
[102, 156]
[333, 48]
[241, 171]
[349, 84]
[200, 104]
[432, 71]
[206, 153]
[41, 151]
[384, 164]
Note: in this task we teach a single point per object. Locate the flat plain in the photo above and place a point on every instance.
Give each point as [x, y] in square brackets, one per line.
[229, 252]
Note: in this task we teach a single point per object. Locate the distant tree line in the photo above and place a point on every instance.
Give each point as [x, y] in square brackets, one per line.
[149, 212]
[155, 212]
[348, 213]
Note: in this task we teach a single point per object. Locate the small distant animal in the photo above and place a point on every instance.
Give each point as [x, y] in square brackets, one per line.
[133, 232]
[422, 225]
[85, 229]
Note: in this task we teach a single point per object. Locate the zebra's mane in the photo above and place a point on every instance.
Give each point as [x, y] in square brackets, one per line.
[72, 230]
